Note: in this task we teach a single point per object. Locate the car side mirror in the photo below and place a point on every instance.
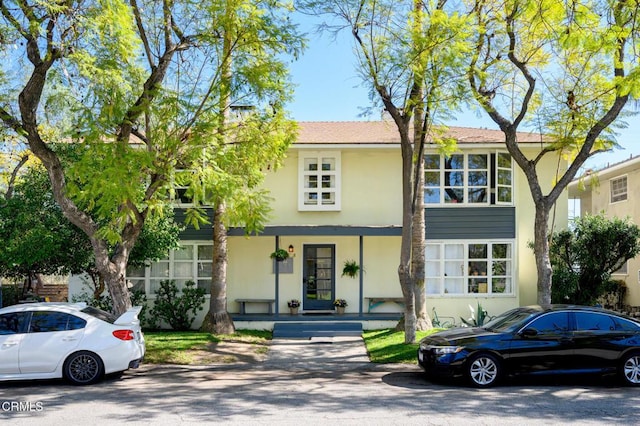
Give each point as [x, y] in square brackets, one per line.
[529, 332]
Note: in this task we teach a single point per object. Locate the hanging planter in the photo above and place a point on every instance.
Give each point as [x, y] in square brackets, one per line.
[350, 269]
[280, 255]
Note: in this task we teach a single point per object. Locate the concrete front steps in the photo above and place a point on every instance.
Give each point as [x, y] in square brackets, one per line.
[305, 330]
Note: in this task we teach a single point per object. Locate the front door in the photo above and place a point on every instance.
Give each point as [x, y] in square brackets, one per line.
[318, 277]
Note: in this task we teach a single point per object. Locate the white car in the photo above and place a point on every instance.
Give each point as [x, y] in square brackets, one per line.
[67, 340]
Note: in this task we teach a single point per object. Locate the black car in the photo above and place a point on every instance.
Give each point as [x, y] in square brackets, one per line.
[538, 340]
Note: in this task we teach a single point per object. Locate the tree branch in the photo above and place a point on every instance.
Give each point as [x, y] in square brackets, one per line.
[14, 174]
[142, 32]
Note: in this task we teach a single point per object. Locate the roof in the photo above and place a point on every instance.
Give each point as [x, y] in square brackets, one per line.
[583, 183]
[385, 132]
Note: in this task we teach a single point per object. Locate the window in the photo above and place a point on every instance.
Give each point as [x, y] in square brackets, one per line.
[13, 323]
[467, 179]
[181, 182]
[618, 189]
[191, 262]
[622, 271]
[319, 181]
[469, 268]
[504, 173]
[587, 321]
[553, 323]
[43, 321]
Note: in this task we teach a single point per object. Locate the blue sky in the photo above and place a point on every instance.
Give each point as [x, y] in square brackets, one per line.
[328, 88]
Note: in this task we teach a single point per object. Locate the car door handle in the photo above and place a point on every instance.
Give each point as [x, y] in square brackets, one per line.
[9, 344]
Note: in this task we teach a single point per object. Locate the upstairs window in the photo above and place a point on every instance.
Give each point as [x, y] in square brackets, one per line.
[181, 182]
[618, 189]
[319, 181]
[504, 178]
[468, 179]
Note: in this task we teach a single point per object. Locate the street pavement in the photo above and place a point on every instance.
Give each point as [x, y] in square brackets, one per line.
[318, 381]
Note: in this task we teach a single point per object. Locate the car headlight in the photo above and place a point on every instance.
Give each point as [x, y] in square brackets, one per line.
[443, 350]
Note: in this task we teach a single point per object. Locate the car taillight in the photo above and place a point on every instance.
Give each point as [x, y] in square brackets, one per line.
[124, 334]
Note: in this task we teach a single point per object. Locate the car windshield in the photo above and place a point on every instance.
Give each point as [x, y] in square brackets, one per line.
[100, 314]
[510, 320]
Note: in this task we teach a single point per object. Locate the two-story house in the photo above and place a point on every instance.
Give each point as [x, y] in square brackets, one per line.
[338, 198]
[612, 190]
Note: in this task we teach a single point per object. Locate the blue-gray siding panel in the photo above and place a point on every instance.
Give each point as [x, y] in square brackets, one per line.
[192, 234]
[470, 223]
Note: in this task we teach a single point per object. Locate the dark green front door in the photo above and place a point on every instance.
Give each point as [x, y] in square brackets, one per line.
[318, 277]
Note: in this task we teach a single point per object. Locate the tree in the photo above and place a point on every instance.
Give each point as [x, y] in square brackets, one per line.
[411, 55]
[135, 83]
[566, 69]
[584, 258]
[35, 238]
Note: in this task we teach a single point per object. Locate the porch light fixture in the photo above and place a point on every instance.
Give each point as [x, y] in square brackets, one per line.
[290, 248]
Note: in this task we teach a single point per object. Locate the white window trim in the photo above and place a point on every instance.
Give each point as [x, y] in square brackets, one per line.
[302, 173]
[495, 177]
[171, 259]
[465, 274]
[625, 193]
[466, 170]
[624, 270]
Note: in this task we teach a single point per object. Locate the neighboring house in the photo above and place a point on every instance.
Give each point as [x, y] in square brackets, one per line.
[338, 197]
[614, 190]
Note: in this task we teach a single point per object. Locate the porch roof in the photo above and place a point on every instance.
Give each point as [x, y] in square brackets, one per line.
[324, 230]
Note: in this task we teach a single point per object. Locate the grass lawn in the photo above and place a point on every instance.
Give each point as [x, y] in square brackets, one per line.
[387, 346]
[182, 347]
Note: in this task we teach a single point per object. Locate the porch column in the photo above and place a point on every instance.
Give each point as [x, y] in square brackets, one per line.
[360, 276]
[277, 279]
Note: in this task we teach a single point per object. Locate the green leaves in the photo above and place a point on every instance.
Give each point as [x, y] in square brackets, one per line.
[584, 259]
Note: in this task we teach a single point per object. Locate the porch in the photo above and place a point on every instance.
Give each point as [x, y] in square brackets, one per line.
[321, 322]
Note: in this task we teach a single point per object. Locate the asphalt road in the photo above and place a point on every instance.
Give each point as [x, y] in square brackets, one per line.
[317, 382]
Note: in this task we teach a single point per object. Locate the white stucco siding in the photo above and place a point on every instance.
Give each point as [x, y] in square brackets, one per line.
[250, 271]
[527, 274]
[370, 190]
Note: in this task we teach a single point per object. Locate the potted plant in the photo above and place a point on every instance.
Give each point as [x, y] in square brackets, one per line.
[340, 304]
[293, 304]
[280, 255]
[350, 268]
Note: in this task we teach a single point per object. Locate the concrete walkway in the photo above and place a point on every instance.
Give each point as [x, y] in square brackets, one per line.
[318, 353]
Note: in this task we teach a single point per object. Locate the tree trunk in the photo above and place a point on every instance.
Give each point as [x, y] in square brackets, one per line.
[541, 249]
[423, 321]
[112, 270]
[418, 243]
[407, 283]
[218, 320]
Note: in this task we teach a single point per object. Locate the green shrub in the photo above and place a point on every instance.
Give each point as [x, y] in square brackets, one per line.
[179, 311]
[104, 302]
[613, 298]
[11, 294]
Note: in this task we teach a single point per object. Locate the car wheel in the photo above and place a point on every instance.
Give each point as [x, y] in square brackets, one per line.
[83, 368]
[483, 370]
[630, 369]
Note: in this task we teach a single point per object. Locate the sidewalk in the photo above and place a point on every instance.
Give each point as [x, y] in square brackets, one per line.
[338, 353]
